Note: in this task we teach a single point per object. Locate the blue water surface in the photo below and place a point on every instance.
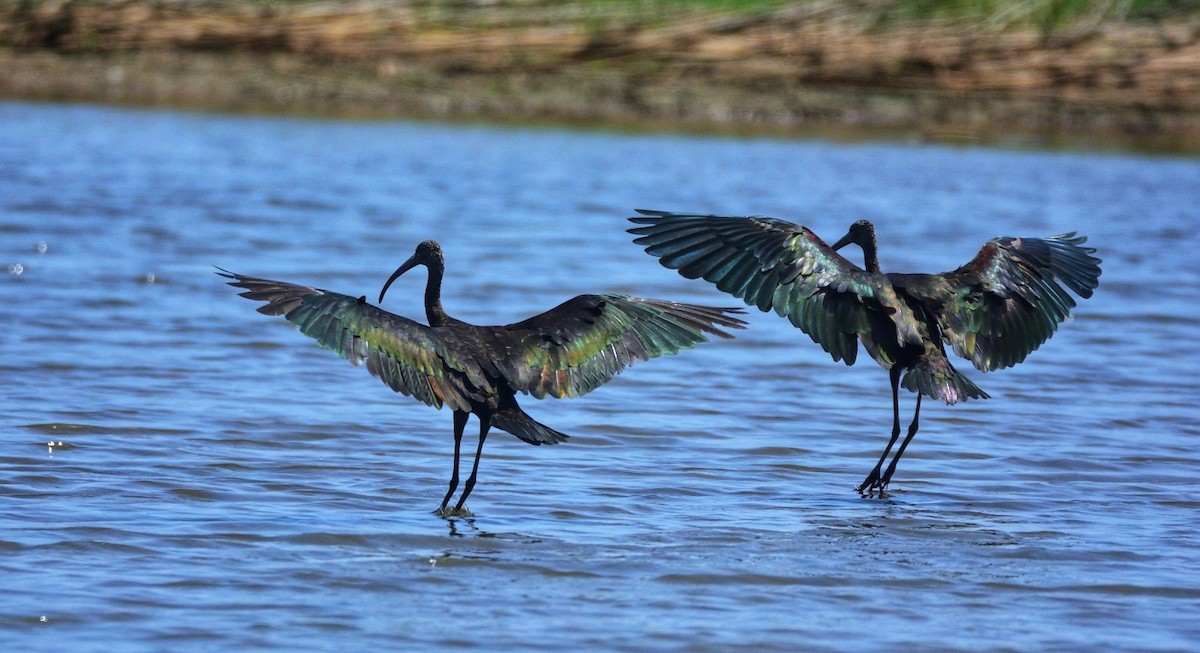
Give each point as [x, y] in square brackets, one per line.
[179, 472]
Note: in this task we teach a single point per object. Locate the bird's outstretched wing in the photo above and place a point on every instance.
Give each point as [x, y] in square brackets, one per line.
[1008, 300]
[773, 263]
[581, 344]
[411, 358]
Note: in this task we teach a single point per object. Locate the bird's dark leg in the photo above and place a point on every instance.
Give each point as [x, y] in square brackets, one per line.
[912, 430]
[460, 424]
[872, 481]
[484, 425]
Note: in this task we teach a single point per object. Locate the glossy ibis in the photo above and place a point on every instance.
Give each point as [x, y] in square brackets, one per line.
[567, 351]
[994, 310]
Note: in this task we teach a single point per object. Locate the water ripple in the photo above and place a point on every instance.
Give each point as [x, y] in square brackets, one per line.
[224, 484]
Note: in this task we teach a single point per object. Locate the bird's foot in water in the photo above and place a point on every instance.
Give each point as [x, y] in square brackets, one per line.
[872, 486]
[447, 512]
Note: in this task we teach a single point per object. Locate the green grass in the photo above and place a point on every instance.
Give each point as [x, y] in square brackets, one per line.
[1038, 11]
[991, 14]
[1045, 14]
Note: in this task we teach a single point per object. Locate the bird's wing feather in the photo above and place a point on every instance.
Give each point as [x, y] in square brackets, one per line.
[1010, 299]
[411, 358]
[581, 344]
[771, 263]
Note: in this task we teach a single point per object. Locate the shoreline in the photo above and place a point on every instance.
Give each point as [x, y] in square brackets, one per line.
[784, 73]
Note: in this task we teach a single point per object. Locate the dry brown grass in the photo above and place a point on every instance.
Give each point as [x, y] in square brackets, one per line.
[795, 67]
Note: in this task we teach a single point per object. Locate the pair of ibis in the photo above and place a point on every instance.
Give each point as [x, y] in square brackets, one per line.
[993, 311]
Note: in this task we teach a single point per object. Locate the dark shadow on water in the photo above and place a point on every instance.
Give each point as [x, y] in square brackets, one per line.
[468, 524]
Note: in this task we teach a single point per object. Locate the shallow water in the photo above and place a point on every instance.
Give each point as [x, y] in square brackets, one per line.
[224, 484]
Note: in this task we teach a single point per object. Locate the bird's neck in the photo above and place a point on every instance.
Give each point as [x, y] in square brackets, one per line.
[433, 297]
[870, 256]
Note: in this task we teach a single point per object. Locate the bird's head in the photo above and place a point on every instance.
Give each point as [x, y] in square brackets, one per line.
[428, 253]
[862, 233]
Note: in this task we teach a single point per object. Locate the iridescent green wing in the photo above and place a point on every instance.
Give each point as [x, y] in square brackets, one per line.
[411, 358]
[1010, 298]
[581, 344]
[772, 263]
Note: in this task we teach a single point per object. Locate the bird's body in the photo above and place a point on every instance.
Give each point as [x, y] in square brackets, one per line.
[994, 310]
[567, 351]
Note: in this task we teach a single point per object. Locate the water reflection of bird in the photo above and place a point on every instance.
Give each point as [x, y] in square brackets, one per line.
[994, 310]
[567, 351]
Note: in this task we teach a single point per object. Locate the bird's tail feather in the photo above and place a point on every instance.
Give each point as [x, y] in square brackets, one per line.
[516, 421]
[950, 387]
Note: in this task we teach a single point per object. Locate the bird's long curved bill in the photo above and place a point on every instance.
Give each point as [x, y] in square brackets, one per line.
[843, 241]
[405, 267]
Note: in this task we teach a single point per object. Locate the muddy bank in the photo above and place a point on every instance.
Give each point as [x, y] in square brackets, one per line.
[813, 69]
